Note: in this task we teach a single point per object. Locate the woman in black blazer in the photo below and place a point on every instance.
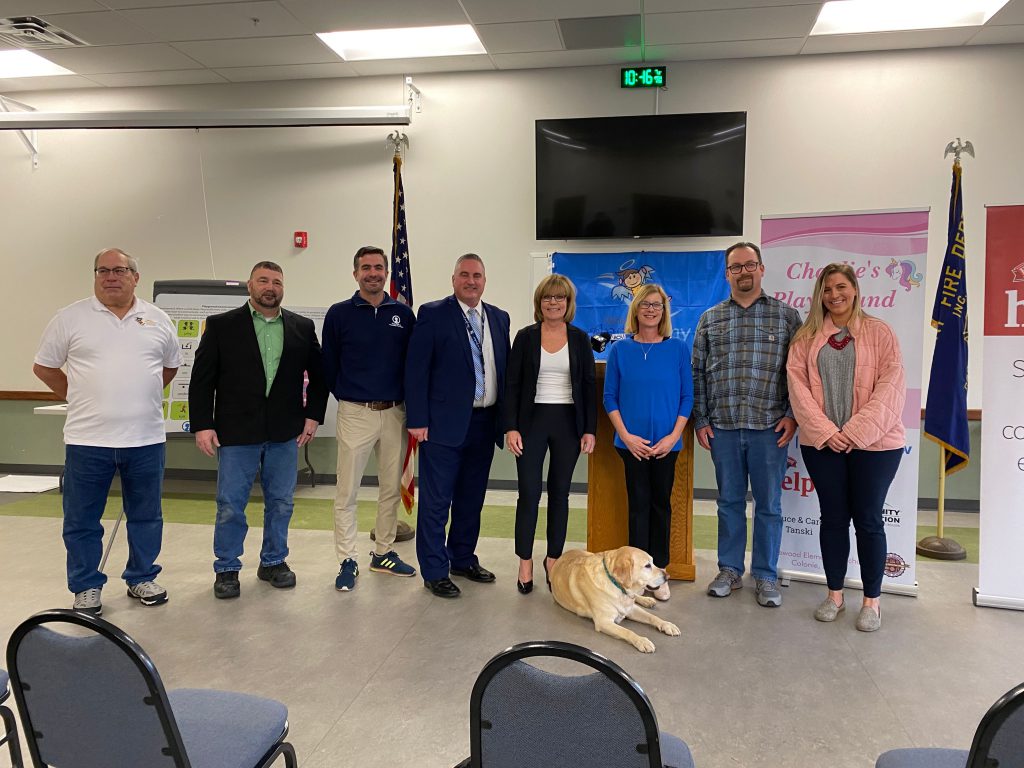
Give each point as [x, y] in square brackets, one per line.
[550, 405]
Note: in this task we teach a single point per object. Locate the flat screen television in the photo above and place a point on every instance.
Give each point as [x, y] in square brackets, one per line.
[643, 176]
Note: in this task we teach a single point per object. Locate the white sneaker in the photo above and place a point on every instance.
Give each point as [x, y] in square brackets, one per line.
[88, 601]
[148, 593]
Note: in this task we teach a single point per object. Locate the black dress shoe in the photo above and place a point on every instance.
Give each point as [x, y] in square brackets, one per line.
[475, 572]
[524, 587]
[442, 587]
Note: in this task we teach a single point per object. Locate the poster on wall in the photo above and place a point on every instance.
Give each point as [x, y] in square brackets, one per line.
[888, 252]
[188, 312]
[1000, 577]
[606, 283]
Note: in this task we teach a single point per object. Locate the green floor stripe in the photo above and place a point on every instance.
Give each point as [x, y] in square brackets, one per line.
[318, 515]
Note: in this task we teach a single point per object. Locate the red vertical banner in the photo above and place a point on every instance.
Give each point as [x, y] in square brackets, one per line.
[1001, 538]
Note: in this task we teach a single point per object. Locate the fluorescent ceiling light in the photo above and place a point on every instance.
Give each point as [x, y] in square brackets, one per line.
[20, 63]
[404, 43]
[848, 17]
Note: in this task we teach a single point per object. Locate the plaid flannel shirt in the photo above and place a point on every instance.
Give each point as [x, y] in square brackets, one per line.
[739, 364]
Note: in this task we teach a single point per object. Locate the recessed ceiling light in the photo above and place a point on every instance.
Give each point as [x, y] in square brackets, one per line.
[20, 63]
[404, 43]
[848, 17]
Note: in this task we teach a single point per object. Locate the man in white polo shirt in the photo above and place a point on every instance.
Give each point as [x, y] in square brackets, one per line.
[118, 352]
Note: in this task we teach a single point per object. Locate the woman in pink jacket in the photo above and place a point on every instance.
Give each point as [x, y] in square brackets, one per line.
[847, 391]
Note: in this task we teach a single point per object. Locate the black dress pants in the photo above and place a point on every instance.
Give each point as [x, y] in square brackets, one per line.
[552, 431]
[649, 490]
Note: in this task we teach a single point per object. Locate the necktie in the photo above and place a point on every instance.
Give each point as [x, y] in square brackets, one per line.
[478, 352]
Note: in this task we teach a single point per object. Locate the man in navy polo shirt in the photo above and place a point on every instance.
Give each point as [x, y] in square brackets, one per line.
[364, 343]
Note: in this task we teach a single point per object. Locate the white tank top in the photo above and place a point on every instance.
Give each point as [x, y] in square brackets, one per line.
[553, 386]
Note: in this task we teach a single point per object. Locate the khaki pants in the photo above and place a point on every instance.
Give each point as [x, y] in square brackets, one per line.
[360, 431]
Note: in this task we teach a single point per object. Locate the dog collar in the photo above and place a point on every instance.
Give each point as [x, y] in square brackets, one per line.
[612, 578]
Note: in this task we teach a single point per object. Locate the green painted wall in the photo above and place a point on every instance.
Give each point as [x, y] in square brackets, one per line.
[29, 439]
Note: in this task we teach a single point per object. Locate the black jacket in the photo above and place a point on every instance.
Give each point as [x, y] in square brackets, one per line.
[227, 391]
[521, 380]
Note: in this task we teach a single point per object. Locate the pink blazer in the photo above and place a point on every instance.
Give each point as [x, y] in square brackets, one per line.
[879, 389]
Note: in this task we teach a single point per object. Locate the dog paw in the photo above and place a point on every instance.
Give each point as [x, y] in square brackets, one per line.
[646, 602]
[643, 645]
[669, 628]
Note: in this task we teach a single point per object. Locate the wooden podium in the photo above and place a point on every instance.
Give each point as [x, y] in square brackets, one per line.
[607, 509]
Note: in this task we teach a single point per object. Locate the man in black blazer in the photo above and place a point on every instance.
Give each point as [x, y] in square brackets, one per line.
[247, 406]
[454, 383]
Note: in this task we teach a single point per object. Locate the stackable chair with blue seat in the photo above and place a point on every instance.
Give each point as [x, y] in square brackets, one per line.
[10, 733]
[90, 697]
[998, 742]
[522, 716]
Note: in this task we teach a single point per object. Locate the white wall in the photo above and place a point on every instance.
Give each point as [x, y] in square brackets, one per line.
[825, 133]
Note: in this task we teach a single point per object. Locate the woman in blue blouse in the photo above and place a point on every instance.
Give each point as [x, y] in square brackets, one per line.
[648, 393]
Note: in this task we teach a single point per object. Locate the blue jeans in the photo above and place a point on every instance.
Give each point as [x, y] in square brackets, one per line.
[739, 455]
[237, 465]
[88, 473]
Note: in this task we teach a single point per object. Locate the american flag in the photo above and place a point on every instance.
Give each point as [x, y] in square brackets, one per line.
[401, 290]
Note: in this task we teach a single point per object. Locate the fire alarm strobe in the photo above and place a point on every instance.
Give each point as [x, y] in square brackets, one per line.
[301, 240]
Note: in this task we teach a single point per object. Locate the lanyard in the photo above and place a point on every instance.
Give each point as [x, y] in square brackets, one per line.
[472, 334]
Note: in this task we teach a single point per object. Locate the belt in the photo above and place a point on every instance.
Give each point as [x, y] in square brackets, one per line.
[376, 405]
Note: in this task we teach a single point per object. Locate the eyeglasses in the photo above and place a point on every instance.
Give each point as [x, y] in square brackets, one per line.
[556, 299]
[651, 305]
[117, 271]
[750, 266]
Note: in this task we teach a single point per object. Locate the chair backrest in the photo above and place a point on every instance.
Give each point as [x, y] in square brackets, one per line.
[92, 699]
[999, 740]
[521, 715]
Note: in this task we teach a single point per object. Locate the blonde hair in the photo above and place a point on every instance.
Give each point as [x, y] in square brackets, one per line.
[664, 325]
[816, 316]
[554, 285]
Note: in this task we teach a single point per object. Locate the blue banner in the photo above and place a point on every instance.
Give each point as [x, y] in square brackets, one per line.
[945, 416]
[605, 283]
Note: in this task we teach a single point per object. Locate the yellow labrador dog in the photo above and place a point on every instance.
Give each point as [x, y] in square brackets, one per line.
[608, 587]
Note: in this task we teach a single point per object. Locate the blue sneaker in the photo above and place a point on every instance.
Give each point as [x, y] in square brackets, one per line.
[346, 580]
[390, 563]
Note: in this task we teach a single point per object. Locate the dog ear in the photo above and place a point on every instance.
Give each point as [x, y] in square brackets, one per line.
[622, 567]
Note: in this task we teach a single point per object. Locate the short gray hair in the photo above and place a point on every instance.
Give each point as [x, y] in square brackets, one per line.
[469, 257]
[133, 264]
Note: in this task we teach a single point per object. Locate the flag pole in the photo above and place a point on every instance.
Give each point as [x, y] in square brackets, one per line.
[949, 316]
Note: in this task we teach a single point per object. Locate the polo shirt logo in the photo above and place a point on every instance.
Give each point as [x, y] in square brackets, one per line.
[396, 321]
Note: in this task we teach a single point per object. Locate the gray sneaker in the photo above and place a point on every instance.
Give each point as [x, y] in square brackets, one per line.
[767, 593]
[726, 582]
[88, 601]
[148, 593]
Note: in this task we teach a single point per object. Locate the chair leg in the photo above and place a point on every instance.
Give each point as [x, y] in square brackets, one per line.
[13, 744]
[283, 749]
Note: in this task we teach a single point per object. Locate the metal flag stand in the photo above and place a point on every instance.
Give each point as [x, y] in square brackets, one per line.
[938, 546]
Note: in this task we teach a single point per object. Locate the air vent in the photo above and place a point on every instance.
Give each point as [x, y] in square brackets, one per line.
[32, 33]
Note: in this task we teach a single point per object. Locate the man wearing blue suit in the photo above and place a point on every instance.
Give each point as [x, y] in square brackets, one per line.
[454, 382]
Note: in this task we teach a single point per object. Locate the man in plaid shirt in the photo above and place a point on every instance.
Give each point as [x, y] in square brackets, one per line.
[741, 414]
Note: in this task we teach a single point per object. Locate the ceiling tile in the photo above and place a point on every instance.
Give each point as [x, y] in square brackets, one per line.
[601, 32]
[45, 7]
[103, 28]
[422, 66]
[498, 11]
[884, 41]
[331, 15]
[721, 26]
[1009, 33]
[1011, 13]
[122, 4]
[520, 36]
[260, 51]
[676, 6]
[173, 77]
[737, 49]
[120, 58]
[57, 82]
[213, 22]
[288, 72]
[619, 56]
